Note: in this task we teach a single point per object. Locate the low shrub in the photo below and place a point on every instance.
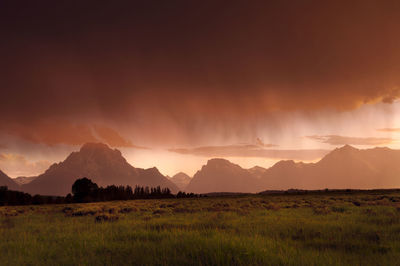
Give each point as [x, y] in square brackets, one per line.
[106, 218]
[321, 210]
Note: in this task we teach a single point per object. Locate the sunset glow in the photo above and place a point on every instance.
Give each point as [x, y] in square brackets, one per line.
[243, 82]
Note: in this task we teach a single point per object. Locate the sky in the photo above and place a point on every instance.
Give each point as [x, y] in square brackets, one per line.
[175, 83]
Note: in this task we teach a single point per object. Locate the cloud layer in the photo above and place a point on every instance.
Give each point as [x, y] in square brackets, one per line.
[342, 140]
[174, 68]
[251, 151]
[15, 165]
[66, 132]
[389, 130]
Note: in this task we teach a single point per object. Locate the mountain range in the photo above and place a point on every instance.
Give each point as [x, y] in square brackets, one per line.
[220, 175]
[102, 165]
[345, 167]
[342, 168]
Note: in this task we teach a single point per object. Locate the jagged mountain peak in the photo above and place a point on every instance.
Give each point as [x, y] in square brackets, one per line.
[257, 171]
[97, 153]
[219, 163]
[257, 168]
[180, 175]
[221, 175]
[345, 149]
[348, 147]
[100, 163]
[284, 163]
[153, 170]
[97, 149]
[181, 180]
[341, 153]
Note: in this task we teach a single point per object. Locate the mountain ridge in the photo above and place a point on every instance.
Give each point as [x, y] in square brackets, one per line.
[100, 163]
[5, 180]
[220, 175]
[344, 167]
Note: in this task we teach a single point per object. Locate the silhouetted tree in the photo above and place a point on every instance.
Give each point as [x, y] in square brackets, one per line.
[187, 195]
[68, 198]
[84, 190]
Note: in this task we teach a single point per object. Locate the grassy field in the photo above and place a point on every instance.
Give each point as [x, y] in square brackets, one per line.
[325, 229]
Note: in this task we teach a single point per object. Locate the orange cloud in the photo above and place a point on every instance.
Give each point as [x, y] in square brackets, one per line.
[113, 138]
[66, 132]
[251, 151]
[342, 140]
[389, 129]
[15, 165]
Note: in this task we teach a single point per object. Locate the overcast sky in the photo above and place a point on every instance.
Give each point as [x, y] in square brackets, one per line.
[174, 83]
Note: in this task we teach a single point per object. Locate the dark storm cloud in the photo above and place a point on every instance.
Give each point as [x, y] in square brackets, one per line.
[64, 132]
[186, 61]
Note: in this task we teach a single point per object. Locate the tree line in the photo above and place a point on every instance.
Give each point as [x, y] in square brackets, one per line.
[84, 190]
[10, 197]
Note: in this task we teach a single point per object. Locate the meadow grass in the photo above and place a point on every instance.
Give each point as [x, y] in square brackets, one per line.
[325, 229]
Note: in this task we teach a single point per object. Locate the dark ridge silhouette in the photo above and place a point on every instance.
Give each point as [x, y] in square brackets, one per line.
[181, 180]
[5, 180]
[343, 168]
[105, 166]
